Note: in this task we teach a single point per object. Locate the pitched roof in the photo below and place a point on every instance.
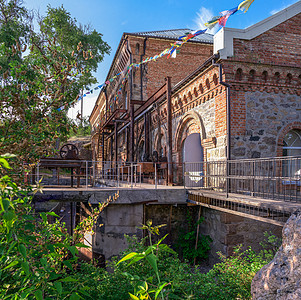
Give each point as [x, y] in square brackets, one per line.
[174, 34]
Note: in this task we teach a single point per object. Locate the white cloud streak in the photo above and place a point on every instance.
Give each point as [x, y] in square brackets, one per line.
[275, 11]
[204, 15]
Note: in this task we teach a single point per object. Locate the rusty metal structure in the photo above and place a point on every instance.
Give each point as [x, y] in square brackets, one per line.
[69, 159]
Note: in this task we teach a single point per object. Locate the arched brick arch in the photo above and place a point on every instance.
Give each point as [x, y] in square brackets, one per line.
[283, 132]
[194, 123]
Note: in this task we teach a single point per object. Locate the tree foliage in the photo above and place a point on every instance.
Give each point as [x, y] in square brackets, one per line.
[38, 259]
[40, 72]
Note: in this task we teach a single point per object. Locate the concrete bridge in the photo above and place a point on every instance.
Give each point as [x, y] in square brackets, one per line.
[237, 208]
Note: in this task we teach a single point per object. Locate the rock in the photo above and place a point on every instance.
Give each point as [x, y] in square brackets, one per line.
[281, 278]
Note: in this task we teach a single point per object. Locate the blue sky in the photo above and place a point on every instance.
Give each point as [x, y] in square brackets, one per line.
[112, 18]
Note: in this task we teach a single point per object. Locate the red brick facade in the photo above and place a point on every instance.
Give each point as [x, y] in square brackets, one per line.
[264, 79]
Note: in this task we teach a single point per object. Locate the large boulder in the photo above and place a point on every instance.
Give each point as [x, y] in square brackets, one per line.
[281, 278]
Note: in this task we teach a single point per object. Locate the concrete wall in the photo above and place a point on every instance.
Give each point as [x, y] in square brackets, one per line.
[116, 221]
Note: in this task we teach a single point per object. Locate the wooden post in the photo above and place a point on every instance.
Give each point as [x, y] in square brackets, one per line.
[103, 146]
[116, 150]
[146, 136]
[132, 136]
[169, 130]
[197, 233]
[116, 144]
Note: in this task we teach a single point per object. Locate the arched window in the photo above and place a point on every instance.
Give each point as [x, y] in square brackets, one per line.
[252, 75]
[292, 143]
[238, 75]
[277, 77]
[215, 80]
[289, 78]
[265, 76]
[137, 48]
[292, 147]
[201, 88]
[208, 84]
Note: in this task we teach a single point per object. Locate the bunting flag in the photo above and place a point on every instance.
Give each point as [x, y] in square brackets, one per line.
[172, 51]
[244, 6]
[222, 19]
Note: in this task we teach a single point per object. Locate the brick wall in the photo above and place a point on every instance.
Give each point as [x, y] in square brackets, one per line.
[278, 46]
[265, 79]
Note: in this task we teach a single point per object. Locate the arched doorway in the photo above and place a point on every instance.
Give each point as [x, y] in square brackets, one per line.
[193, 160]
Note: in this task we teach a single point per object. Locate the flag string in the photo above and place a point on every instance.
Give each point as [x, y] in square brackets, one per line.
[221, 20]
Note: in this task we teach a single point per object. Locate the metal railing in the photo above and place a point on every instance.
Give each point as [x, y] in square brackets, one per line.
[100, 174]
[270, 178]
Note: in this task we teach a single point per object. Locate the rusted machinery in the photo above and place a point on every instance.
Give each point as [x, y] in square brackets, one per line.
[69, 159]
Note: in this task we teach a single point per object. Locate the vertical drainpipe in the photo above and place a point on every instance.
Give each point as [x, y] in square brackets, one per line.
[146, 115]
[228, 132]
[107, 103]
[131, 109]
[169, 130]
[141, 69]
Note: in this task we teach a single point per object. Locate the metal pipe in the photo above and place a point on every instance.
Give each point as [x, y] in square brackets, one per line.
[228, 125]
[142, 66]
[169, 131]
[87, 178]
[156, 183]
[228, 107]
[131, 74]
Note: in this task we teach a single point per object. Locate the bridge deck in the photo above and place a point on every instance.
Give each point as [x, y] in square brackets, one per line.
[267, 210]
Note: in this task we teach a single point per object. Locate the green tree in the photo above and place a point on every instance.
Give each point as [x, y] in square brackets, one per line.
[81, 127]
[15, 23]
[59, 25]
[40, 72]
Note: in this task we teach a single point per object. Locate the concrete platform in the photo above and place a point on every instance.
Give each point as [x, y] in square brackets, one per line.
[141, 194]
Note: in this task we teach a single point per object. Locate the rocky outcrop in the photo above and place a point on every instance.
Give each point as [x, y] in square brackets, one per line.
[281, 278]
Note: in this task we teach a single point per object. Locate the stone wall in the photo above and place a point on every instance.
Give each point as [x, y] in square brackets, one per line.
[228, 231]
[266, 115]
[280, 279]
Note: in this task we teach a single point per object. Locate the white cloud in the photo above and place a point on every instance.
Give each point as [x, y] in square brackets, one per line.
[275, 11]
[204, 15]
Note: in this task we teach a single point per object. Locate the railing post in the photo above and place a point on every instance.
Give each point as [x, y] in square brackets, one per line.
[118, 174]
[156, 176]
[87, 178]
[184, 176]
[93, 165]
[140, 175]
[131, 175]
[227, 178]
[128, 175]
[38, 171]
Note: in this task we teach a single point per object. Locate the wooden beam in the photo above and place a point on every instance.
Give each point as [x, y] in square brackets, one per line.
[151, 100]
[137, 102]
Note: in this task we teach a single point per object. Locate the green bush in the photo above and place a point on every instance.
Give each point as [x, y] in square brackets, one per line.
[186, 241]
[38, 260]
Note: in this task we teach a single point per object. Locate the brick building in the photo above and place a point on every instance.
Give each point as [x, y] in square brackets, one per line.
[142, 82]
[236, 98]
